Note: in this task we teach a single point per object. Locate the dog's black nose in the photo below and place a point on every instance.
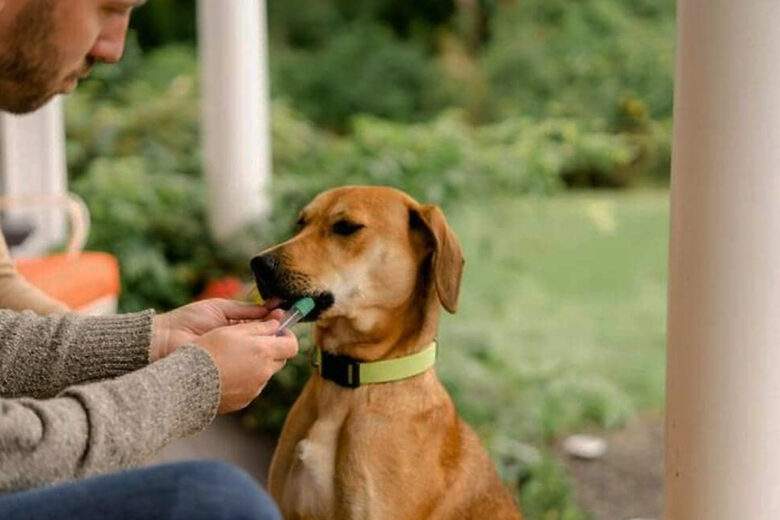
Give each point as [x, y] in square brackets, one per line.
[263, 266]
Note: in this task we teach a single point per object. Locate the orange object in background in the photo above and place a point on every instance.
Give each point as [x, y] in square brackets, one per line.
[86, 282]
[228, 287]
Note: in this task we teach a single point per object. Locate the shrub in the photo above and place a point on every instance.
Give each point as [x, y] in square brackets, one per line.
[154, 222]
[581, 59]
[362, 69]
[145, 134]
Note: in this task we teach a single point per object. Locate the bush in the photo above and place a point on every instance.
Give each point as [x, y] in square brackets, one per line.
[154, 224]
[147, 106]
[362, 69]
[145, 133]
[581, 59]
[134, 156]
[445, 159]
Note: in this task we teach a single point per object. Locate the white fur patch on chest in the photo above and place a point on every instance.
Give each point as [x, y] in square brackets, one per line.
[309, 489]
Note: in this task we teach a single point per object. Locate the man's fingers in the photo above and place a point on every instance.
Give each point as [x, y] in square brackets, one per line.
[257, 328]
[278, 348]
[235, 310]
[276, 314]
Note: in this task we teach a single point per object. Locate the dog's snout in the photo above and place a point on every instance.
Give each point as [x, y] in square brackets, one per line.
[264, 265]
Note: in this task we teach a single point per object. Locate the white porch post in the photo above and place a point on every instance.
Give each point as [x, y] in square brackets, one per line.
[235, 126]
[32, 162]
[723, 374]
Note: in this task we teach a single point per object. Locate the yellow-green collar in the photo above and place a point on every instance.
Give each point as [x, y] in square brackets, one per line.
[351, 373]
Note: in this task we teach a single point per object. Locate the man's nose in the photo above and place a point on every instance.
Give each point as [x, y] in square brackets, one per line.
[110, 45]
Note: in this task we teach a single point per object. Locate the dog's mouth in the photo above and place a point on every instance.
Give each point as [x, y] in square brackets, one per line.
[282, 298]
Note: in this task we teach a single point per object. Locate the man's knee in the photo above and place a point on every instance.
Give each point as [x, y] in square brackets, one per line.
[216, 490]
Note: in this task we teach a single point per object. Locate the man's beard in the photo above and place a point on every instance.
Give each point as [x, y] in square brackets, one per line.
[30, 62]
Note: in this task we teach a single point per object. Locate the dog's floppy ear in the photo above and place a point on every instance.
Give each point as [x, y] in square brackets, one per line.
[447, 254]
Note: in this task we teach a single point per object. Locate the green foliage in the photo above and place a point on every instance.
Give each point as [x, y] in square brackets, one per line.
[147, 107]
[581, 59]
[134, 156]
[153, 222]
[548, 494]
[606, 64]
[350, 74]
[443, 160]
[164, 22]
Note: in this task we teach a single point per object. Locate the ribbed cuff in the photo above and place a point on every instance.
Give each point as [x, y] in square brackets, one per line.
[109, 346]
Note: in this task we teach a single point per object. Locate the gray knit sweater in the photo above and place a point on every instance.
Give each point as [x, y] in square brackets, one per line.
[78, 396]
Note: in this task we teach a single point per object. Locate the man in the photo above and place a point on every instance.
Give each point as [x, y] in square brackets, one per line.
[81, 397]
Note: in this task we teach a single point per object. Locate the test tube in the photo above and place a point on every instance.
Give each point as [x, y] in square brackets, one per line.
[296, 313]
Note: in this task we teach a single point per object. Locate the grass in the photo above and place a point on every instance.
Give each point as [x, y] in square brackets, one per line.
[561, 324]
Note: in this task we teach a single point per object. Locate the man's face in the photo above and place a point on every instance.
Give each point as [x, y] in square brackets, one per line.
[46, 46]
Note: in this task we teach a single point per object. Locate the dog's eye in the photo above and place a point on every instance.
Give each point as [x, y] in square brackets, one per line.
[300, 224]
[346, 228]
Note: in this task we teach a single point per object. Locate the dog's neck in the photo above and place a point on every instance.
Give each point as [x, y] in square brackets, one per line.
[408, 329]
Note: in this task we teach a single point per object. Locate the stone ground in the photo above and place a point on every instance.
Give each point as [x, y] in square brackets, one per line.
[627, 483]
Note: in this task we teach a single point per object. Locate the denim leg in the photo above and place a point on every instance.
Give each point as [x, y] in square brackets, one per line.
[198, 490]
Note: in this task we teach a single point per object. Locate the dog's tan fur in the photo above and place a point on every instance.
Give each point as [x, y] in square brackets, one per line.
[385, 451]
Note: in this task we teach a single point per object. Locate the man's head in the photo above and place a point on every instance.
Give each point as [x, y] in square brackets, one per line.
[47, 45]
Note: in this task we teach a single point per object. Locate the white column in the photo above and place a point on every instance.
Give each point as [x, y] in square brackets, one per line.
[32, 162]
[723, 374]
[235, 127]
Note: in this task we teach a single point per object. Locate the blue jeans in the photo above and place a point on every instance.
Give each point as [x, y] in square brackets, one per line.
[181, 491]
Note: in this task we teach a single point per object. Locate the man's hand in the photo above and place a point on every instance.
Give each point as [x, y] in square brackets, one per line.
[247, 355]
[183, 325]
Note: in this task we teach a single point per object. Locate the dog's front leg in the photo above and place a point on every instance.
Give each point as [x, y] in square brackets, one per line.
[298, 422]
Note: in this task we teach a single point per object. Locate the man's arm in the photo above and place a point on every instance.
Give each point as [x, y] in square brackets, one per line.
[19, 295]
[40, 356]
[109, 425]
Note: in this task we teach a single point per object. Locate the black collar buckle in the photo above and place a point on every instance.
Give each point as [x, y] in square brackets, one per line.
[342, 370]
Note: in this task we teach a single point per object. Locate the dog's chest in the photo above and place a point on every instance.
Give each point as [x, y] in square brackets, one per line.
[312, 477]
[310, 490]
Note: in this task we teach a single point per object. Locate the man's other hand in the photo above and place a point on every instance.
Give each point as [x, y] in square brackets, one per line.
[183, 325]
[247, 355]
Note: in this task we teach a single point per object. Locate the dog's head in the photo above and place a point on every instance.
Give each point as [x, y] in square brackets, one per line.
[366, 255]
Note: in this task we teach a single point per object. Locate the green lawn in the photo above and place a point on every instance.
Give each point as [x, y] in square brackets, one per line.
[562, 318]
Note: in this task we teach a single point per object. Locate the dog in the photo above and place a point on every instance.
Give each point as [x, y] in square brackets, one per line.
[378, 265]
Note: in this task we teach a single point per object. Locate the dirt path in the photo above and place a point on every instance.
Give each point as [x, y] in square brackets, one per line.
[627, 482]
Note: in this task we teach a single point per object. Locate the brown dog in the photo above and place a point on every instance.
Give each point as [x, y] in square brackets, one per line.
[377, 264]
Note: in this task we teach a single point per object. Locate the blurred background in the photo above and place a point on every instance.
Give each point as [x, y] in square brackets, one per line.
[542, 128]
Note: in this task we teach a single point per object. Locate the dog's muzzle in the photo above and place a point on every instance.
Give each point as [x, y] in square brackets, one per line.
[273, 281]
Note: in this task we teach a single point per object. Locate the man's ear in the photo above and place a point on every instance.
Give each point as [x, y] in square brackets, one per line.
[448, 259]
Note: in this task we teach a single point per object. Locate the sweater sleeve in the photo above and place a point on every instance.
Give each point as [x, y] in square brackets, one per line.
[109, 425]
[40, 356]
[18, 294]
